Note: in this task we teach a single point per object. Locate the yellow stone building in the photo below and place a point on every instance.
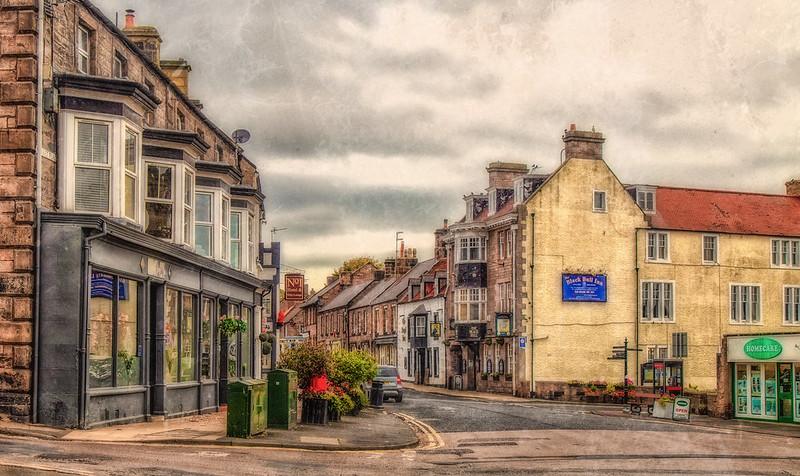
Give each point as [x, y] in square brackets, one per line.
[706, 284]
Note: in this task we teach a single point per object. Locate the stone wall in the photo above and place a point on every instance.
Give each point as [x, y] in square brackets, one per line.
[18, 103]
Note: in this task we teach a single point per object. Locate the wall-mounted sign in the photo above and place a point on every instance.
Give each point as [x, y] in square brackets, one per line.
[294, 287]
[523, 341]
[763, 348]
[470, 332]
[583, 287]
[502, 324]
[436, 329]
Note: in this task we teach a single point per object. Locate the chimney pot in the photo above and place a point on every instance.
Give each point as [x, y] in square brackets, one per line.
[130, 18]
[793, 188]
[572, 127]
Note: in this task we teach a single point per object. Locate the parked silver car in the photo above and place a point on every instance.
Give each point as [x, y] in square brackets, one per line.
[392, 385]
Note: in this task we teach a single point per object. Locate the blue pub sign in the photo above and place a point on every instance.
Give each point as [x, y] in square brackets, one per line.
[583, 287]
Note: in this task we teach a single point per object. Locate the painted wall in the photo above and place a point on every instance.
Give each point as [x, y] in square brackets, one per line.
[572, 340]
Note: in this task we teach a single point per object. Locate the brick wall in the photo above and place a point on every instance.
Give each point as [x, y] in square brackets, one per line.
[18, 102]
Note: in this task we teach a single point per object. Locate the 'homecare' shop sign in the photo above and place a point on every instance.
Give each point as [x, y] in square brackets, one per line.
[583, 287]
[764, 348]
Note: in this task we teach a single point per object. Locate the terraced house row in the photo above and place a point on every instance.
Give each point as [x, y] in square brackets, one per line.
[547, 273]
[131, 224]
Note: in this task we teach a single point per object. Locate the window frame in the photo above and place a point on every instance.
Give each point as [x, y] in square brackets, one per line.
[121, 71]
[172, 201]
[791, 253]
[251, 242]
[188, 207]
[681, 350]
[791, 318]
[212, 353]
[649, 318]
[132, 174]
[641, 200]
[180, 323]
[656, 257]
[108, 166]
[225, 224]
[86, 52]
[238, 241]
[601, 193]
[205, 224]
[420, 322]
[466, 245]
[466, 297]
[749, 321]
[703, 249]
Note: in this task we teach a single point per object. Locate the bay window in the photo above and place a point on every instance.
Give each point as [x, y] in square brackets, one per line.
[158, 203]
[188, 205]
[236, 239]
[225, 223]
[131, 169]
[470, 304]
[472, 249]
[115, 358]
[251, 243]
[93, 167]
[204, 224]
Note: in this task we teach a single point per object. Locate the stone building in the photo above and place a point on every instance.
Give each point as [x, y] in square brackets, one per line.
[131, 226]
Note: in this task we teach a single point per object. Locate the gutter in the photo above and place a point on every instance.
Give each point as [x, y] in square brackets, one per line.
[38, 220]
[84, 319]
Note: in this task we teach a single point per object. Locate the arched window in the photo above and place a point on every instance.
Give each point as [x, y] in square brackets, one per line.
[501, 366]
[488, 366]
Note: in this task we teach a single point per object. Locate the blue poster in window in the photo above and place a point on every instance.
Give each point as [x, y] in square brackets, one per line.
[583, 287]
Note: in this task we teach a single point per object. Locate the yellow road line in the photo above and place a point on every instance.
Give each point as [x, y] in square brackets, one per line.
[434, 437]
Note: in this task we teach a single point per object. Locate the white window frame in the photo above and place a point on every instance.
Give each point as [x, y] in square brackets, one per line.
[83, 51]
[604, 208]
[108, 166]
[119, 66]
[241, 214]
[641, 199]
[647, 291]
[188, 207]
[68, 144]
[469, 243]
[225, 221]
[132, 174]
[501, 244]
[251, 241]
[656, 257]
[208, 224]
[785, 253]
[791, 306]
[735, 310]
[703, 249]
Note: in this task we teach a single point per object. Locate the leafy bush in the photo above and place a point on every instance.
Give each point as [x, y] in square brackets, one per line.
[359, 398]
[229, 326]
[351, 368]
[308, 360]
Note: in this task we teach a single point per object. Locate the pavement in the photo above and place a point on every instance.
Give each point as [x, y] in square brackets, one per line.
[372, 429]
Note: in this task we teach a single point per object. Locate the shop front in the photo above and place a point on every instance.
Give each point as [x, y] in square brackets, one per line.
[765, 374]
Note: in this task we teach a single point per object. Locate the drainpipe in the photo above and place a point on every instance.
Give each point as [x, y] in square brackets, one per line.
[513, 309]
[38, 219]
[638, 306]
[531, 384]
[87, 281]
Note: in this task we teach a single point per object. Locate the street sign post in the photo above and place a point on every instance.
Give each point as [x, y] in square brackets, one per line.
[620, 352]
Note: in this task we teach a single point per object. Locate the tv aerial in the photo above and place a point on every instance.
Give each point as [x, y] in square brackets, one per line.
[240, 136]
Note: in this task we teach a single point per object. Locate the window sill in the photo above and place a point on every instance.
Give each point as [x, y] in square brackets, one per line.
[710, 263]
[109, 391]
[179, 385]
[656, 321]
[746, 323]
[599, 211]
[657, 261]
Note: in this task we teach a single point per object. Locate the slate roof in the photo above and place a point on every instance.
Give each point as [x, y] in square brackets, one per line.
[367, 298]
[401, 284]
[344, 297]
[726, 212]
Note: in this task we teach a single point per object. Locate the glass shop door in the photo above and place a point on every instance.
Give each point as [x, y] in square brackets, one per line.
[785, 400]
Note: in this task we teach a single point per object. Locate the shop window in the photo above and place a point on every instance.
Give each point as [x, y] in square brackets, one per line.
[657, 246]
[206, 339]
[786, 253]
[657, 301]
[599, 201]
[745, 304]
[83, 50]
[188, 205]
[114, 351]
[472, 249]
[158, 202]
[791, 305]
[236, 240]
[93, 167]
[680, 345]
[233, 348]
[179, 333]
[204, 224]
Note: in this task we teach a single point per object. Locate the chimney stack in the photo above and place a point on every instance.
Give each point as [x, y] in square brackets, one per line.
[583, 144]
[345, 278]
[793, 188]
[130, 18]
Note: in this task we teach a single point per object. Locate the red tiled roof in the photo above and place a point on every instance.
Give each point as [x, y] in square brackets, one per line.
[726, 212]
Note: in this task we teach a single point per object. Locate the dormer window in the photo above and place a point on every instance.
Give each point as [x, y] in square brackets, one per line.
[492, 202]
[646, 199]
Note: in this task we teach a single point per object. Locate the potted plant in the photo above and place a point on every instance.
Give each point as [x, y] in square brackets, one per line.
[312, 363]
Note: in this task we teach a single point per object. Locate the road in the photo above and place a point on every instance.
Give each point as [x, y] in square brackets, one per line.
[470, 437]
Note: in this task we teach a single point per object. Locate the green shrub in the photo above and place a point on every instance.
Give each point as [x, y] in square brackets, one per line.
[351, 368]
[308, 360]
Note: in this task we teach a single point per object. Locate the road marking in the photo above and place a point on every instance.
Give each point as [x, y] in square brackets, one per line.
[434, 440]
[42, 467]
[213, 454]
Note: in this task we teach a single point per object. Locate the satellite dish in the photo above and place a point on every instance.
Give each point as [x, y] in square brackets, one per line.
[240, 136]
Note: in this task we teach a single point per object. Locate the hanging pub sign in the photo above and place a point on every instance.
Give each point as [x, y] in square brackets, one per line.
[502, 324]
[294, 287]
[436, 329]
[583, 287]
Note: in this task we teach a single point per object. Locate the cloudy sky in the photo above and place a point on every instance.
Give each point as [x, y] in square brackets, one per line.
[372, 116]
